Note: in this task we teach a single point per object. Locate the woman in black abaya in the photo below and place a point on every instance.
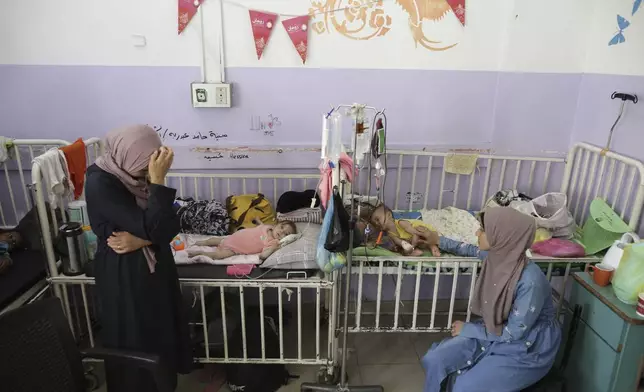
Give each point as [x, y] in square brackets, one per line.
[130, 211]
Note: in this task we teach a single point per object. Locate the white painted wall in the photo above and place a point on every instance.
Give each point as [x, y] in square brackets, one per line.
[622, 59]
[509, 35]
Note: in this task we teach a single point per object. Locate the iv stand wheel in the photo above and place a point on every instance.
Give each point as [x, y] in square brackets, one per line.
[324, 378]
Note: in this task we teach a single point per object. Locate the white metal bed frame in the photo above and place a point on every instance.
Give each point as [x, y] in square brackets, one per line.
[205, 186]
[578, 182]
[19, 198]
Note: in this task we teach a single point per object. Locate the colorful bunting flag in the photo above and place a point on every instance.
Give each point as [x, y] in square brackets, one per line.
[187, 10]
[262, 24]
[458, 6]
[298, 29]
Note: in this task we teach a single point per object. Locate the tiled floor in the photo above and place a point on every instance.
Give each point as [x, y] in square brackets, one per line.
[386, 359]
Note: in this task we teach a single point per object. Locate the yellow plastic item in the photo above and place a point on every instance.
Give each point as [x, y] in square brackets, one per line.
[244, 209]
[542, 235]
[628, 280]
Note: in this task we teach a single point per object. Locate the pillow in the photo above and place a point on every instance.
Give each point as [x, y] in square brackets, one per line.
[407, 215]
[299, 254]
[313, 215]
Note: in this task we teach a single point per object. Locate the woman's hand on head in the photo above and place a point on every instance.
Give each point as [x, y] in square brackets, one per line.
[124, 242]
[160, 163]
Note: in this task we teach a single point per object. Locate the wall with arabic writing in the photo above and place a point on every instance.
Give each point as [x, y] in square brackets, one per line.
[510, 80]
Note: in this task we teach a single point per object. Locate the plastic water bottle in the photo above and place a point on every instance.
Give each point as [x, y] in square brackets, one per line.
[91, 242]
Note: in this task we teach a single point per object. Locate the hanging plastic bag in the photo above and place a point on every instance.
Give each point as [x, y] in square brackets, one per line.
[328, 261]
[322, 255]
[628, 280]
[551, 212]
[337, 239]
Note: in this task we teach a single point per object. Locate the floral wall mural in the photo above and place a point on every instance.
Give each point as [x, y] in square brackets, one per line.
[367, 19]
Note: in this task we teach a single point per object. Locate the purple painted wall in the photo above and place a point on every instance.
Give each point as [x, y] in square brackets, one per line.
[516, 113]
[508, 111]
[596, 113]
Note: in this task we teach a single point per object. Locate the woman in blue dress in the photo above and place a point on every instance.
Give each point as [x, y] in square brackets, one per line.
[516, 341]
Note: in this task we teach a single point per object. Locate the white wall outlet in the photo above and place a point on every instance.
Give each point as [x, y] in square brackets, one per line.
[210, 95]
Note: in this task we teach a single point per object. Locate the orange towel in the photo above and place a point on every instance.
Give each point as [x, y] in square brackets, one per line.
[76, 164]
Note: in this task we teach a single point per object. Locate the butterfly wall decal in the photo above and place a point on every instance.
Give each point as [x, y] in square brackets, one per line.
[636, 6]
[619, 38]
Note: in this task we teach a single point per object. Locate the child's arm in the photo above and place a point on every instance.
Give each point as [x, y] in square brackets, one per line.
[405, 225]
[394, 238]
[399, 243]
[268, 251]
[424, 237]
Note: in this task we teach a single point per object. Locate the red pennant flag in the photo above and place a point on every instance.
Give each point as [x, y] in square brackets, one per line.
[458, 6]
[298, 29]
[187, 9]
[262, 24]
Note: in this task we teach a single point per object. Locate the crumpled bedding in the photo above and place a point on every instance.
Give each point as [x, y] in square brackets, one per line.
[453, 223]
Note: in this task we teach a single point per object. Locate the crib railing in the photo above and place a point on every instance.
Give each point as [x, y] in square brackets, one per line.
[219, 185]
[302, 342]
[49, 223]
[592, 172]
[420, 180]
[16, 201]
[436, 291]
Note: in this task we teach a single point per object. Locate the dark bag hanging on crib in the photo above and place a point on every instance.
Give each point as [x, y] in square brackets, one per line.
[249, 377]
[337, 240]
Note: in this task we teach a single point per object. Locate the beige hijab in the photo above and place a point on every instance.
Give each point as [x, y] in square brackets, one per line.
[509, 233]
[127, 155]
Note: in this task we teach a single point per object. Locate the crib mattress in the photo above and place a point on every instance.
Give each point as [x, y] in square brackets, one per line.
[28, 269]
[207, 271]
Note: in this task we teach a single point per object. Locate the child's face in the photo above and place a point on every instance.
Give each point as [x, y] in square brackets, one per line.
[281, 230]
[381, 217]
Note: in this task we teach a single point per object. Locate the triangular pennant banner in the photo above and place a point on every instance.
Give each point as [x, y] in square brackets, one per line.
[458, 6]
[262, 24]
[187, 10]
[298, 29]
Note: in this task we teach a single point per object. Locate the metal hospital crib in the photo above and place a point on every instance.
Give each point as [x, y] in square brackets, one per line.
[390, 295]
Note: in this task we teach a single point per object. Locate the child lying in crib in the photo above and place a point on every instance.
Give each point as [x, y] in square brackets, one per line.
[412, 236]
[262, 239]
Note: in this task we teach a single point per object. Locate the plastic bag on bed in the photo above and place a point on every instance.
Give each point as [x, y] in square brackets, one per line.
[557, 247]
[337, 239]
[551, 212]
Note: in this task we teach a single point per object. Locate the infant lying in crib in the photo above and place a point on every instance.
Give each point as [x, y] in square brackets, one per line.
[412, 236]
[263, 239]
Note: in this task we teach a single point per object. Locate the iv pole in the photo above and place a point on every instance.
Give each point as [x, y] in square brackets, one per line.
[343, 386]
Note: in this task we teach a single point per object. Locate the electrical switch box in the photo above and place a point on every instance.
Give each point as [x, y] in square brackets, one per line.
[211, 95]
